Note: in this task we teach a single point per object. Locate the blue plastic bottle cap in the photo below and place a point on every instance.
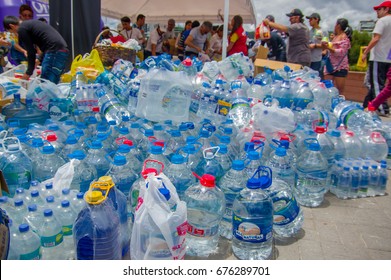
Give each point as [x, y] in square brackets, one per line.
[47, 212]
[238, 165]
[119, 160]
[50, 199]
[19, 190]
[78, 154]
[71, 139]
[253, 183]
[253, 155]
[80, 195]
[135, 125]
[34, 193]
[49, 186]
[65, 203]
[47, 150]
[96, 144]
[383, 165]
[32, 207]
[204, 133]
[158, 127]
[190, 149]
[346, 168]
[191, 140]
[228, 130]
[335, 133]
[249, 146]
[148, 132]
[175, 133]
[365, 167]
[356, 167]
[314, 147]
[183, 127]
[66, 191]
[225, 139]
[18, 202]
[24, 227]
[374, 166]
[124, 149]
[177, 159]
[223, 149]
[281, 152]
[156, 150]
[124, 130]
[34, 183]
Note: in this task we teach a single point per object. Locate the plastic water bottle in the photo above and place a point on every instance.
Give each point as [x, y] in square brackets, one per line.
[252, 221]
[303, 97]
[240, 111]
[281, 165]
[344, 183]
[84, 174]
[364, 181]
[326, 145]
[231, 184]
[205, 209]
[67, 217]
[31, 115]
[339, 147]
[252, 164]
[51, 237]
[131, 159]
[311, 175]
[36, 198]
[355, 182]
[96, 229]
[11, 109]
[110, 106]
[78, 80]
[207, 102]
[22, 194]
[174, 143]
[16, 166]
[47, 190]
[34, 217]
[49, 164]
[96, 157]
[54, 204]
[18, 212]
[383, 179]
[353, 144]
[27, 244]
[375, 146]
[71, 145]
[180, 174]
[156, 155]
[78, 202]
[373, 180]
[122, 174]
[209, 164]
[224, 158]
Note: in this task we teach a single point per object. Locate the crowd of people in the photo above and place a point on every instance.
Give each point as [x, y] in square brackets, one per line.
[305, 44]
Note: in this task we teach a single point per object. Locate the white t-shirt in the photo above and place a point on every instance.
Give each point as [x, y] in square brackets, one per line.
[134, 33]
[156, 39]
[215, 44]
[381, 50]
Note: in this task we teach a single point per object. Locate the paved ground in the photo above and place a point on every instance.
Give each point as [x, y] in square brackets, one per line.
[354, 229]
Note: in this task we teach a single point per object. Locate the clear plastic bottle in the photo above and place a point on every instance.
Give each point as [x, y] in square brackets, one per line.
[355, 182]
[205, 209]
[344, 183]
[303, 97]
[18, 212]
[281, 165]
[224, 158]
[131, 159]
[122, 174]
[180, 174]
[96, 157]
[71, 145]
[339, 147]
[36, 198]
[383, 179]
[240, 111]
[78, 202]
[311, 176]
[252, 222]
[373, 180]
[254, 161]
[49, 164]
[34, 217]
[27, 244]
[156, 154]
[67, 217]
[84, 174]
[364, 182]
[51, 237]
[11, 109]
[231, 184]
[209, 164]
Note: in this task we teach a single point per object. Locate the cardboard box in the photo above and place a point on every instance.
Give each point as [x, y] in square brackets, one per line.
[262, 52]
[260, 64]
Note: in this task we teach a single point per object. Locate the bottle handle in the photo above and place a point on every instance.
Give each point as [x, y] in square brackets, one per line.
[155, 161]
[217, 148]
[5, 144]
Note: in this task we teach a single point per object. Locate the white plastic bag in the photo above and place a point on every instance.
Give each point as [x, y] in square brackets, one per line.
[164, 95]
[159, 230]
[271, 119]
[64, 176]
[41, 91]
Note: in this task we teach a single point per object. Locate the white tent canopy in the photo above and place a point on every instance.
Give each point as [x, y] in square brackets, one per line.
[157, 11]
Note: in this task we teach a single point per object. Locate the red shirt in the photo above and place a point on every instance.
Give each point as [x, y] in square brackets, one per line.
[239, 38]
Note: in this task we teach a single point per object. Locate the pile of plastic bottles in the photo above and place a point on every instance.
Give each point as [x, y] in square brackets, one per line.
[261, 148]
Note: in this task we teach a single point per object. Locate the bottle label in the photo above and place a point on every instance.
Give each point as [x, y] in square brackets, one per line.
[135, 195]
[202, 232]
[240, 102]
[285, 211]
[51, 241]
[252, 230]
[18, 178]
[311, 182]
[67, 230]
[223, 107]
[108, 105]
[35, 255]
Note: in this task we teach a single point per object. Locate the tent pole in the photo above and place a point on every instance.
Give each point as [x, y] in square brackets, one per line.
[225, 29]
[72, 32]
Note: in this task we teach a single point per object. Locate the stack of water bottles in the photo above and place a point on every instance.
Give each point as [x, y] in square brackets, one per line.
[261, 148]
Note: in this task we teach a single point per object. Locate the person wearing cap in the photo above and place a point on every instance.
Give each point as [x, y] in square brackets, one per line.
[316, 36]
[380, 54]
[299, 37]
[155, 42]
[197, 41]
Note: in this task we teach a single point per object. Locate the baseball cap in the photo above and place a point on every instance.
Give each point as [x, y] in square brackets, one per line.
[295, 12]
[314, 15]
[270, 17]
[385, 4]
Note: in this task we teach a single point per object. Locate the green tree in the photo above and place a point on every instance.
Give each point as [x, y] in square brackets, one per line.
[359, 39]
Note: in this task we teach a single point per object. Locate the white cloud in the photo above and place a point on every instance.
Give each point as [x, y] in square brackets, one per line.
[330, 10]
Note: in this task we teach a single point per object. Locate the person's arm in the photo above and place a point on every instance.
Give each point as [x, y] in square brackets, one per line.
[31, 52]
[375, 39]
[4, 43]
[277, 26]
[189, 42]
[232, 41]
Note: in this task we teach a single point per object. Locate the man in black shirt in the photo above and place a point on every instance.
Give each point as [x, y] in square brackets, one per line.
[50, 42]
